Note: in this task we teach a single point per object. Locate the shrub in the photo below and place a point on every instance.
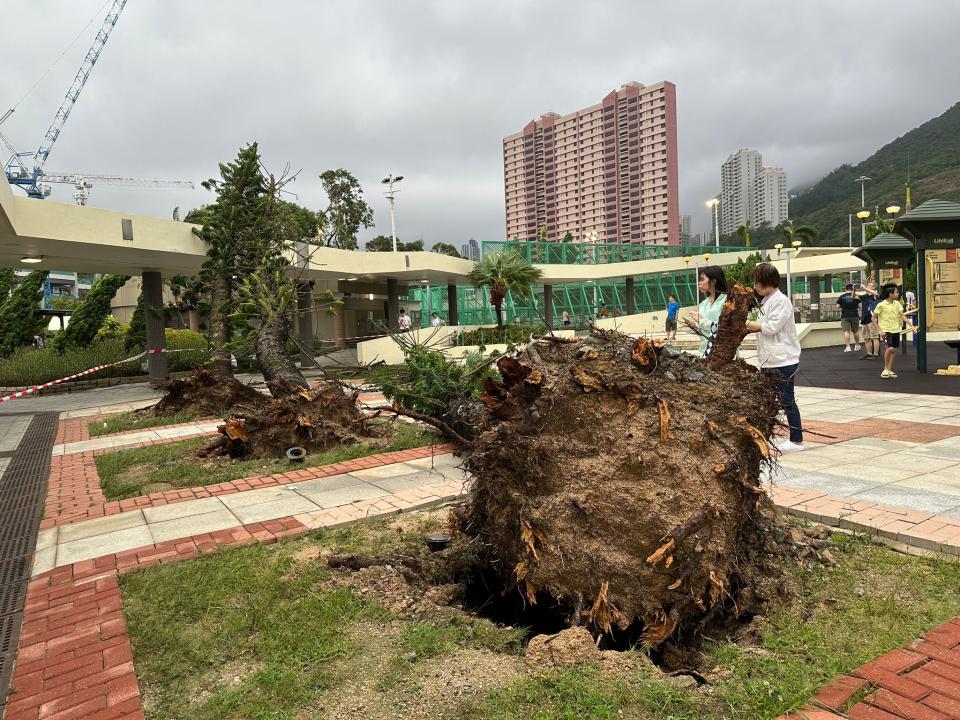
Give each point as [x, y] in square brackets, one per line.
[89, 317]
[136, 338]
[112, 329]
[20, 317]
[429, 381]
[30, 366]
[194, 342]
[510, 334]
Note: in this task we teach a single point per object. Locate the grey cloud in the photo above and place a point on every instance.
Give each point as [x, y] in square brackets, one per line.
[428, 89]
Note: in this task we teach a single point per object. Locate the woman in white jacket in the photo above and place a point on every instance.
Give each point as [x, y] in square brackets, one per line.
[778, 348]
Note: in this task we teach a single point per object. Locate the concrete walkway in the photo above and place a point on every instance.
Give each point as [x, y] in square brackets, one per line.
[397, 484]
[136, 438]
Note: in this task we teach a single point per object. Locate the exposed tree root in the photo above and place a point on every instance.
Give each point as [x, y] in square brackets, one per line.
[207, 393]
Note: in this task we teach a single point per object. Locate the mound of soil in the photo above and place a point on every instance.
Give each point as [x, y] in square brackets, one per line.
[315, 419]
[206, 393]
[618, 481]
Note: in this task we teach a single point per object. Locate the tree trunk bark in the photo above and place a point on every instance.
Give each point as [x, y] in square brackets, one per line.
[219, 325]
[277, 367]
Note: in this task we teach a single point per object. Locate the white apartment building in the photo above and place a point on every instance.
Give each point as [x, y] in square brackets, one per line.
[751, 192]
[771, 202]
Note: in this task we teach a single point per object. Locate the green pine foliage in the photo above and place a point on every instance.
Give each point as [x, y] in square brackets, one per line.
[931, 150]
[90, 316]
[136, 337]
[6, 283]
[20, 317]
[742, 271]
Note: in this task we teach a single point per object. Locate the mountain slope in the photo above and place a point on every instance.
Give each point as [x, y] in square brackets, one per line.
[934, 157]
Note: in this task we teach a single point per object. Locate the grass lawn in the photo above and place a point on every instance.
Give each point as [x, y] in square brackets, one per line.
[122, 422]
[266, 636]
[131, 473]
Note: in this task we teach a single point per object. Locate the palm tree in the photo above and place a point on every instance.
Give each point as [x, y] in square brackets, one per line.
[792, 232]
[744, 232]
[503, 272]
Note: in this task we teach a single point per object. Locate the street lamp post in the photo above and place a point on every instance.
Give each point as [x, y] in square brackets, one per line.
[715, 204]
[390, 181]
[794, 246]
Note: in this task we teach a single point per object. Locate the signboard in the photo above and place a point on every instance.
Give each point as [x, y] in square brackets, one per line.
[938, 240]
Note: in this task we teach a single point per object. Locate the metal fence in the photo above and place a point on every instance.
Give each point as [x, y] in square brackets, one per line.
[561, 253]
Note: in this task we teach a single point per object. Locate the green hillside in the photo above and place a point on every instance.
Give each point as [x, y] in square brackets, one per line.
[934, 154]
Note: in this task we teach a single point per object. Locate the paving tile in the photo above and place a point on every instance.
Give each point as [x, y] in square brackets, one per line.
[947, 483]
[249, 498]
[291, 504]
[407, 482]
[101, 526]
[877, 472]
[43, 560]
[111, 542]
[174, 511]
[334, 497]
[912, 498]
[47, 538]
[832, 484]
[880, 444]
[333, 482]
[385, 471]
[948, 452]
[438, 461]
[183, 527]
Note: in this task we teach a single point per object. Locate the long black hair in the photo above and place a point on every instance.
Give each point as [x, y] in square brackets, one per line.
[715, 273]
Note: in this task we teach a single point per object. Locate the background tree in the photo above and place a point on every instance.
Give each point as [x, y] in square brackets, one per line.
[791, 231]
[742, 271]
[189, 294]
[226, 227]
[443, 248]
[20, 317]
[503, 272]
[743, 232]
[136, 337]
[879, 225]
[65, 302]
[87, 319]
[7, 276]
[346, 210]
[382, 243]
[568, 237]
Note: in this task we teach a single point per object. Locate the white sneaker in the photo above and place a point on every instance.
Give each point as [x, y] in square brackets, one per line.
[786, 446]
[886, 374]
[857, 346]
[847, 349]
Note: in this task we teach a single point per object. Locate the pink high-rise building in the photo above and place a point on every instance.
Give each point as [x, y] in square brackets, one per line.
[609, 169]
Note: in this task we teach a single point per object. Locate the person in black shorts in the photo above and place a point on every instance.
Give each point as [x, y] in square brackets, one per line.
[849, 305]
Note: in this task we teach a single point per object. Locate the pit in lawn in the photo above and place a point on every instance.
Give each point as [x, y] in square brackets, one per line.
[157, 468]
[268, 632]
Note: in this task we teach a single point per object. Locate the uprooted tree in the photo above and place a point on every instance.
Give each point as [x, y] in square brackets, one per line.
[618, 483]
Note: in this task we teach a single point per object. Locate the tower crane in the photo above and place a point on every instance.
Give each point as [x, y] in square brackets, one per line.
[36, 181]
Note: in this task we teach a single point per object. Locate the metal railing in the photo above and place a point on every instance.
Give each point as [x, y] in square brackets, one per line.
[573, 253]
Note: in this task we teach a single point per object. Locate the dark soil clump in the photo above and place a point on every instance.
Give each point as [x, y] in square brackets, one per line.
[618, 482]
[315, 419]
[206, 393]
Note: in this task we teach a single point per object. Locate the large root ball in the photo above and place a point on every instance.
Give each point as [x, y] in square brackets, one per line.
[206, 393]
[620, 480]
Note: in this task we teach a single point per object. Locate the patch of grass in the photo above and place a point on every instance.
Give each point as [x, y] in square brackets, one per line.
[125, 473]
[244, 608]
[122, 422]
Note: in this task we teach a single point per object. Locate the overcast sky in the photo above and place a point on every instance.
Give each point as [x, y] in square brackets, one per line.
[429, 89]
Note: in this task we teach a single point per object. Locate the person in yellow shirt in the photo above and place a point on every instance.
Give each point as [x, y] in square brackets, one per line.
[889, 317]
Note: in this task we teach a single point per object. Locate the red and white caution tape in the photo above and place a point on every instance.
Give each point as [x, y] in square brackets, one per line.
[37, 388]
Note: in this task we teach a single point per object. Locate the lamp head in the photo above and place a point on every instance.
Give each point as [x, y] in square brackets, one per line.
[796, 244]
[778, 247]
[706, 257]
[863, 214]
[712, 202]
[32, 259]
[687, 258]
[893, 208]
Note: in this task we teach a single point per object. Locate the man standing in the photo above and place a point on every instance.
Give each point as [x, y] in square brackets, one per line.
[673, 308]
[871, 335]
[403, 321]
[890, 317]
[849, 305]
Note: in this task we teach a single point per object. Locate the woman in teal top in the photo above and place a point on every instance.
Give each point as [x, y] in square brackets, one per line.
[713, 283]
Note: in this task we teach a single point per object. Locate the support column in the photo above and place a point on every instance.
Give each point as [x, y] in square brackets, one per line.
[813, 284]
[628, 291]
[305, 324]
[453, 317]
[827, 283]
[152, 285]
[548, 306]
[340, 328]
[393, 305]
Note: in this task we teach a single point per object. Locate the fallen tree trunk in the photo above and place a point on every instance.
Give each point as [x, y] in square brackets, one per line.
[619, 480]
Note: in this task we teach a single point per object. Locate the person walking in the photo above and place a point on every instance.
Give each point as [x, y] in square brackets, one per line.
[673, 309]
[435, 320]
[890, 318]
[704, 322]
[565, 317]
[778, 348]
[871, 335]
[849, 305]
